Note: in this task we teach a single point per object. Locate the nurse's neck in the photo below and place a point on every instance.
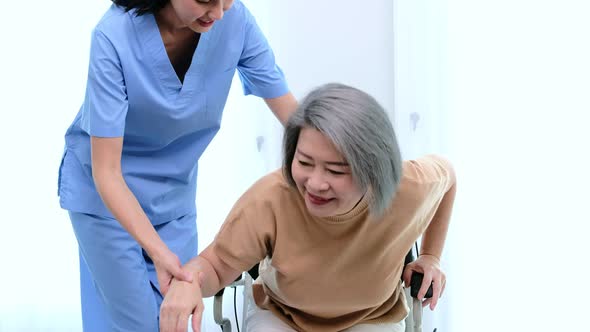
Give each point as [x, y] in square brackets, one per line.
[169, 23]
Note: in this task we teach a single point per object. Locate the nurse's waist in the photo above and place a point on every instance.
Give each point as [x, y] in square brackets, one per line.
[179, 181]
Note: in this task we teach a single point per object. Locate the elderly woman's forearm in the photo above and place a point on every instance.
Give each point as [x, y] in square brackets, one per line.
[214, 274]
[433, 239]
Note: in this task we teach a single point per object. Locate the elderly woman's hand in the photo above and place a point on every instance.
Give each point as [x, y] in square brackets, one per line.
[182, 300]
[429, 266]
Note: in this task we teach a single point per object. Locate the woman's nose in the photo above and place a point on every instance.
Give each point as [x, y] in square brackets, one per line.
[216, 11]
[317, 182]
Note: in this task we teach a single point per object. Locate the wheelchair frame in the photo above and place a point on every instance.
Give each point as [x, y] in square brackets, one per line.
[413, 320]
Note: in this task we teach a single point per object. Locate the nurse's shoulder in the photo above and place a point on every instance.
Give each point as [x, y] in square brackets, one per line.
[115, 24]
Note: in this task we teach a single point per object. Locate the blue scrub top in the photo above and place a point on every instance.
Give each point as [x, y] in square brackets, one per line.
[134, 92]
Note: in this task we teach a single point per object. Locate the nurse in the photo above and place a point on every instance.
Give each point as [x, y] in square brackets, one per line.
[158, 79]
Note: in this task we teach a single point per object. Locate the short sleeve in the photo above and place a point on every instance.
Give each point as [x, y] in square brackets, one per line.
[431, 169]
[248, 233]
[105, 104]
[441, 169]
[259, 73]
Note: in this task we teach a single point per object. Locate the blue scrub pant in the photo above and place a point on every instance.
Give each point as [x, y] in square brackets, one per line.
[118, 284]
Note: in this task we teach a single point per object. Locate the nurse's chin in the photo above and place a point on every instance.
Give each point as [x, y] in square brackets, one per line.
[198, 28]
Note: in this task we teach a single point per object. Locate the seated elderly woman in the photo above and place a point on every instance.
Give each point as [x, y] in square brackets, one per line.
[331, 229]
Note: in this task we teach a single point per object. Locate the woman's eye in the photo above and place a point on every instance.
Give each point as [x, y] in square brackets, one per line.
[304, 163]
[336, 172]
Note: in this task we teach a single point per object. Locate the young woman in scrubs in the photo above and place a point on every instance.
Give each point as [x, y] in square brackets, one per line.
[158, 79]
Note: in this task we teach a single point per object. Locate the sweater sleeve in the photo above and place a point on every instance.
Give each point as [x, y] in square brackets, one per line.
[433, 169]
[248, 233]
[428, 180]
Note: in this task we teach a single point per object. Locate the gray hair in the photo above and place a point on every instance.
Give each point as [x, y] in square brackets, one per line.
[360, 129]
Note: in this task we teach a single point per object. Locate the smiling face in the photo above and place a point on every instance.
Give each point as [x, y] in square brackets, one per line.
[199, 15]
[323, 176]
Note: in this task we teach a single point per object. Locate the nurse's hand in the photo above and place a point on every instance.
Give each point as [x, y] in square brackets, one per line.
[168, 266]
[183, 299]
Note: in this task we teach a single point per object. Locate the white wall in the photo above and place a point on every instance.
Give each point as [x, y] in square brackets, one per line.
[518, 104]
[318, 42]
[42, 78]
[502, 88]
[420, 65]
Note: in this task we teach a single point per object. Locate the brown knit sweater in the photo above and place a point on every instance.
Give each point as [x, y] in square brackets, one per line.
[328, 274]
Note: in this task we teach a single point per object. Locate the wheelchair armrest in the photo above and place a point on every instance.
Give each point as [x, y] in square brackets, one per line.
[235, 283]
[241, 280]
[223, 322]
[416, 283]
[416, 278]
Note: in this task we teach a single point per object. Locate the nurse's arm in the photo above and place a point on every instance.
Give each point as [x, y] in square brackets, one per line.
[118, 198]
[282, 106]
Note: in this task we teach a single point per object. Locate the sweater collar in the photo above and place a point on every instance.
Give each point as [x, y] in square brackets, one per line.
[358, 210]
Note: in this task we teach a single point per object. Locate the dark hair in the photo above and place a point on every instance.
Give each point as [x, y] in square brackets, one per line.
[142, 6]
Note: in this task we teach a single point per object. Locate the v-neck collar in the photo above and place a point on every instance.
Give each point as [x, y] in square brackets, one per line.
[151, 40]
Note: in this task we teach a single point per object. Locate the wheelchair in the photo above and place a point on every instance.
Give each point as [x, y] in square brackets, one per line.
[413, 320]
